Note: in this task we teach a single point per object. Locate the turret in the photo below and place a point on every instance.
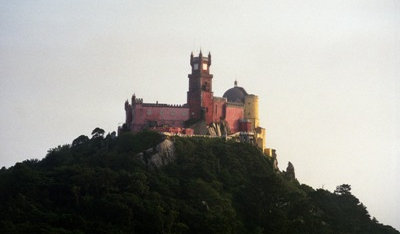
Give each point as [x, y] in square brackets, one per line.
[126, 105]
[133, 100]
[200, 96]
[251, 109]
[128, 113]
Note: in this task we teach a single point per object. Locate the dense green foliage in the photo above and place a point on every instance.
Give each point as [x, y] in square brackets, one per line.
[98, 185]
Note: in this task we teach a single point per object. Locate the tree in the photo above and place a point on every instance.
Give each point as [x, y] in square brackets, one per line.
[212, 186]
[80, 140]
[97, 132]
[343, 189]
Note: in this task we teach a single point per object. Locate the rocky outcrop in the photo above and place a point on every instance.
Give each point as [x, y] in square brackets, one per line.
[213, 129]
[218, 129]
[158, 156]
[199, 127]
[290, 171]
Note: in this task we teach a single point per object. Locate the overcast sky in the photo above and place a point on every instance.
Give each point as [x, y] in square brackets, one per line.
[327, 74]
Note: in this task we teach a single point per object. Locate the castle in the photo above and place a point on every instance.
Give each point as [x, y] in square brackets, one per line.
[234, 115]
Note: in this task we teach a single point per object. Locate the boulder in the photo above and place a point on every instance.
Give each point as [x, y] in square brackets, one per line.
[158, 156]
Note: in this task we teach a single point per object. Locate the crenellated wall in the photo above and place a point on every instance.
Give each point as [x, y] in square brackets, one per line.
[146, 115]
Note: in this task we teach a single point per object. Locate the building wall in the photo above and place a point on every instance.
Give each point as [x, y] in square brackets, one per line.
[128, 113]
[218, 109]
[233, 113]
[207, 106]
[260, 137]
[194, 103]
[251, 109]
[245, 125]
[271, 153]
[146, 115]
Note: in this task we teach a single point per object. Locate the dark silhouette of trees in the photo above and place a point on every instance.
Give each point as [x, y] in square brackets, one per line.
[97, 132]
[82, 139]
[102, 185]
[343, 189]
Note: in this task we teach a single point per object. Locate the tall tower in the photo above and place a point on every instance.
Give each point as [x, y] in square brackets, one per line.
[200, 95]
[251, 109]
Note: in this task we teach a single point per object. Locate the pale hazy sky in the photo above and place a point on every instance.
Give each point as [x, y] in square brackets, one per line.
[327, 74]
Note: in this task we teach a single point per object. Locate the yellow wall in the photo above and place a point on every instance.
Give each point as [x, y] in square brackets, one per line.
[251, 110]
[260, 137]
[251, 113]
[270, 152]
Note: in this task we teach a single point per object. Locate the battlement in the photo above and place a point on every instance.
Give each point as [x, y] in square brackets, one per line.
[197, 59]
[220, 99]
[139, 101]
[164, 105]
[236, 104]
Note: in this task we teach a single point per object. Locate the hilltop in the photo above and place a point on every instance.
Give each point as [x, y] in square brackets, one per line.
[144, 183]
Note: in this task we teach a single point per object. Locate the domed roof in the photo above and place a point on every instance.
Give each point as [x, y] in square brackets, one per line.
[235, 94]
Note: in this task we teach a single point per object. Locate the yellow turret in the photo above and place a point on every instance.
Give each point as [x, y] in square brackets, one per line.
[251, 110]
[251, 113]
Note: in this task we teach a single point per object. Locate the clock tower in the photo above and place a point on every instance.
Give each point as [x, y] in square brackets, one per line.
[200, 95]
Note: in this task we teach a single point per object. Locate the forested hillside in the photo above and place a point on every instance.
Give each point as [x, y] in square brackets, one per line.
[101, 185]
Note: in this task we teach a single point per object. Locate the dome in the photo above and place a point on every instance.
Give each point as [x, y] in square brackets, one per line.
[235, 94]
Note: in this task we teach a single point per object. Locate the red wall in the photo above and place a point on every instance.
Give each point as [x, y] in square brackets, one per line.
[194, 105]
[207, 104]
[163, 115]
[218, 109]
[244, 126]
[232, 117]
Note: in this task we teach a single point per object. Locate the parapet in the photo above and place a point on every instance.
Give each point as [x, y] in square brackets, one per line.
[139, 101]
[270, 152]
[235, 104]
[221, 99]
[163, 105]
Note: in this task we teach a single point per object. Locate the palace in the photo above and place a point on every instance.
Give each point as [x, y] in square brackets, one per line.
[234, 115]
